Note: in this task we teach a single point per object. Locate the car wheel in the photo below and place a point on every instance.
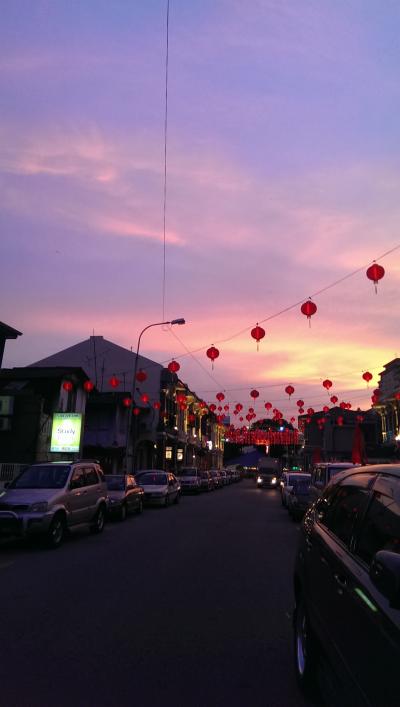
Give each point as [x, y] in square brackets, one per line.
[305, 653]
[167, 501]
[55, 534]
[122, 512]
[99, 520]
[139, 508]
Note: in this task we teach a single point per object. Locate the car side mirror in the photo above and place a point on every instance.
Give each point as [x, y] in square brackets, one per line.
[385, 575]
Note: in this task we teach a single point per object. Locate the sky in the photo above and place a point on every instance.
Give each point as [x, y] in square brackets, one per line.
[282, 178]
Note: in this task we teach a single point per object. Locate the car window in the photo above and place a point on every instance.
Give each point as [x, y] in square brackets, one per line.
[91, 476]
[78, 478]
[345, 505]
[380, 529]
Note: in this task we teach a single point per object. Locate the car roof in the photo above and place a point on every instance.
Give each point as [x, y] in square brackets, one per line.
[393, 469]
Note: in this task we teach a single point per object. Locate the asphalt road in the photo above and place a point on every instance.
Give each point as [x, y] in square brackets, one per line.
[187, 606]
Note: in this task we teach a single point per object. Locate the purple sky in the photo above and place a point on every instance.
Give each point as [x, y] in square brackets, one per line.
[283, 176]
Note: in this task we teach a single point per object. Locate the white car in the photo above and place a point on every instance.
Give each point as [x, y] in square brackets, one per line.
[160, 487]
[287, 484]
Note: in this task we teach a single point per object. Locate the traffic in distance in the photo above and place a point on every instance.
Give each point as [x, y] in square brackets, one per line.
[346, 577]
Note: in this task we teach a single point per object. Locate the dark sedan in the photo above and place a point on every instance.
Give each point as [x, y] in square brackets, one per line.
[347, 588]
[124, 494]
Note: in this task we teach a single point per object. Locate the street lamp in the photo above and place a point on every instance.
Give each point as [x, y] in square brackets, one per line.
[130, 455]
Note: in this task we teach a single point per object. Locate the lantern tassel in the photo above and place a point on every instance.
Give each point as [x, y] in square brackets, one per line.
[376, 288]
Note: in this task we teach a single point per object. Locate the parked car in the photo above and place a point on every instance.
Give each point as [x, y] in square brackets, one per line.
[217, 480]
[206, 481]
[49, 499]
[298, 498]
[160, 487]
[347, 587]
[190, 479]
[124, 495]
[322, 474]
[286, 484]
[224, 477]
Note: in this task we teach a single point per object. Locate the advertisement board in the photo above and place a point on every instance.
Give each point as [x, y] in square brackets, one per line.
[66, 432]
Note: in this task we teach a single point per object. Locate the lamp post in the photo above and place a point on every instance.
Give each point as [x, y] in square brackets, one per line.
[130, 451]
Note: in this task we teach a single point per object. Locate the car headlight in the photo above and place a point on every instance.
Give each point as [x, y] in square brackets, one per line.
[274, 480]
[39, 507]
[259, 480]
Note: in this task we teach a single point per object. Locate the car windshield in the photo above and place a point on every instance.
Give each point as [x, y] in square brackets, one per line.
[115, 483]
[46, 476]
[152, 479]
[187, 472]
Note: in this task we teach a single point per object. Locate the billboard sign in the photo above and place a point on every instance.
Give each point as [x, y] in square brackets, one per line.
[66, 432]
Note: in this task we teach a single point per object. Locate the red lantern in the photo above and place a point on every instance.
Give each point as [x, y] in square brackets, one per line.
[375, 273]
[241, 419]
[374, 399]
[181, 398]
[212, 407]
[258, 333]
[212, 354]
[327, 384]
[174, 366]
[202, 404]
[308, 420]
[251, 409]
[300, 403]
[239, 406]
[220, 396]
[114, 382]
[136, 411]
[308, 309]
[289, 390]
[192, 418]
[397, 396]
[301, 410]
[248, 417]
[144, 398]
[343, 405]
[254, 394]
[340, 421]
[334, 399]
[348, 405]
[226, 408]
[141, 376]
[156, 405]
[219, 408]
[88, 386]
[310, 411]
[236, 412]
[127, 402]
[268, 406]
[68, 386]
[292, 419]
[367, 377]
[325, 408]
[183, 406]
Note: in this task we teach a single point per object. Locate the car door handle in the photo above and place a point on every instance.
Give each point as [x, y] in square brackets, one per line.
[341, 581]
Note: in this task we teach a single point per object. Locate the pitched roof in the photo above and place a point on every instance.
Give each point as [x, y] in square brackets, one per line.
[7, 332]
[101, 359]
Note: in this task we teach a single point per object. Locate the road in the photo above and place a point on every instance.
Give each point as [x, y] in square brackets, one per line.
[187, 606]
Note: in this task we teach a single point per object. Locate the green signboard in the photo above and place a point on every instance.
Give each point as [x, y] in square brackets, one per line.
[66, 432]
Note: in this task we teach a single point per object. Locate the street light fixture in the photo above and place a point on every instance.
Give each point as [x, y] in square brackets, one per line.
[130, 454]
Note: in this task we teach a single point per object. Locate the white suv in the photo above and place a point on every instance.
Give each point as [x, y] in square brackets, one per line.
[52, 497]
